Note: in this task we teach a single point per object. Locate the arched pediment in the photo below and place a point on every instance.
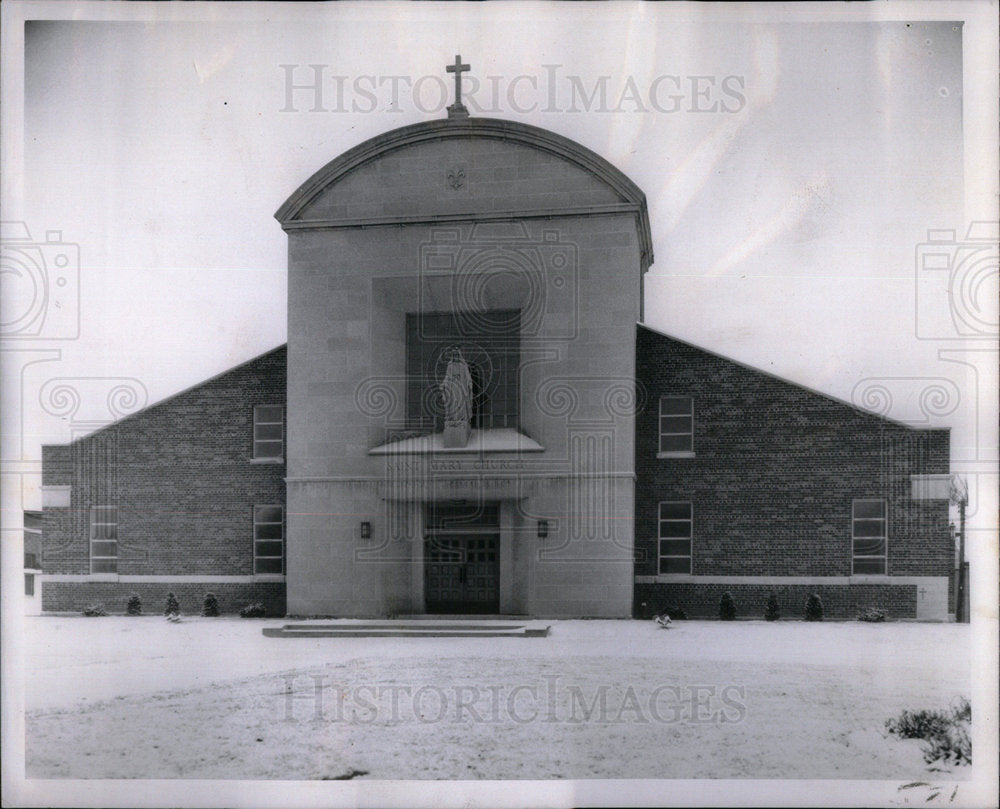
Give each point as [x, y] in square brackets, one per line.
[455, 169]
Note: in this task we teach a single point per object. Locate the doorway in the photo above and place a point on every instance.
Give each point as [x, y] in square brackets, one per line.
[462, 558]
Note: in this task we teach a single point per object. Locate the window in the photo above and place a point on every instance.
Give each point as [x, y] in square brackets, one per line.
[868, 535]
[29, 584]
[675, 524]
[104, 539]
[676, 424]
[268, 539]
[268, 432]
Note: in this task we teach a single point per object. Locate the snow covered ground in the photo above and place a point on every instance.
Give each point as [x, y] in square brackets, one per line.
[120, 697]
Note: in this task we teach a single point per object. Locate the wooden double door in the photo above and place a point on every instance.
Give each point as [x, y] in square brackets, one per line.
[462, 559]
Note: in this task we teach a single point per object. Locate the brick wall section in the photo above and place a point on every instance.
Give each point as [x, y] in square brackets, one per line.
[59, 596]
[776, 467]
[181, 476]
[839, 601]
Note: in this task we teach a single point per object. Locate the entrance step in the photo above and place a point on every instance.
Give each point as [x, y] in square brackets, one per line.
[409, 629]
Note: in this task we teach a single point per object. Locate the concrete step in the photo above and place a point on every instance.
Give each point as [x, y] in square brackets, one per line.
[408, 629]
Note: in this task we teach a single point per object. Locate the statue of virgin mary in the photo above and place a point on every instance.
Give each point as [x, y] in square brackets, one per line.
[456, 389]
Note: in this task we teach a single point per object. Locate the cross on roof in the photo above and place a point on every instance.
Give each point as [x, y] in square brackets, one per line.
[458, 110]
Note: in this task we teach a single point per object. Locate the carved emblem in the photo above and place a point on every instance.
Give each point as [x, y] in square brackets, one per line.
[456, 177]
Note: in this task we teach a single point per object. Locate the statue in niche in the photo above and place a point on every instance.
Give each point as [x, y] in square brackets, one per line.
[456, 390]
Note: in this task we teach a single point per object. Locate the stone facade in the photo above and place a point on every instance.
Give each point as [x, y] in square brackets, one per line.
[463, 215]
[771, 478]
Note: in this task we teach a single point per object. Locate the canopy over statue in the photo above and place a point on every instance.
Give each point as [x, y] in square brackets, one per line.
[456, 390]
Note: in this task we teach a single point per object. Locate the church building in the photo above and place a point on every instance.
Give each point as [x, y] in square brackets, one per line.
[469, 416]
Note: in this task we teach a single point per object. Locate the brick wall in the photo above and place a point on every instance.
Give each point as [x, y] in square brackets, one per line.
[839, 601]
[775, 469]
[61, 596]
[180, 473]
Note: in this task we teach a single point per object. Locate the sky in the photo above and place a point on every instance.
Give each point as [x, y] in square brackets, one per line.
[793, 164]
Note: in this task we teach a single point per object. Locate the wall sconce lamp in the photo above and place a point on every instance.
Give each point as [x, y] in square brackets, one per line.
[366, 530]
[543, 529]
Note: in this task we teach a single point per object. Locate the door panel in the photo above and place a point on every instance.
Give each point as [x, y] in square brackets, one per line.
[462, 573]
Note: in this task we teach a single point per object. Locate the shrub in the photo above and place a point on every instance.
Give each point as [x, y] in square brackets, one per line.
[955, 745]
[134, 605]
[946, 732]
[814, 608]
[727, 608]
[772, 612]
[255, 610]
[172, 605]
[94, 611]
[210, 606]
[918, 724]
[873, 615]
[676, 613]
[962, 710]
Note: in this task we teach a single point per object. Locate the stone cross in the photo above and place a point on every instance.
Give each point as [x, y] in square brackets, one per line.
[458, 110]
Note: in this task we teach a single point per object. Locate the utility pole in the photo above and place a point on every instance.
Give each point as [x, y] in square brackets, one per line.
[960, 494]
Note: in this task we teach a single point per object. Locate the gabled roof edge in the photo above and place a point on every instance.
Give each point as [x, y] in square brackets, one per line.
[830, 397]
[514, 131]
[173, 396]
